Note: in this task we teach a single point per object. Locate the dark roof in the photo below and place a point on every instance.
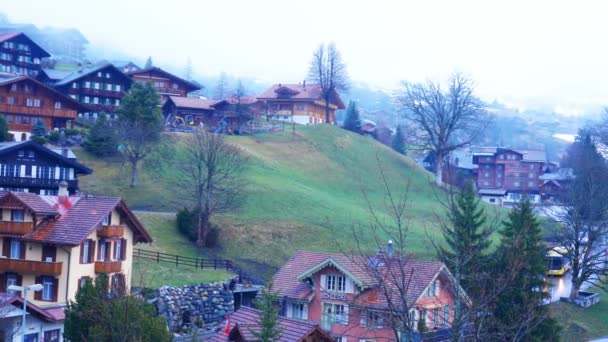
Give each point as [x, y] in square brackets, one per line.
[55, 75]
[9, 78]
[122, 64]
[245, 100]
[308, 92]
[89, 69]
[191, 85]
[527, 155]
[8, 147]
[47, 315]
[11, 35]
[192, 102]
[75, 218]
[247, 320]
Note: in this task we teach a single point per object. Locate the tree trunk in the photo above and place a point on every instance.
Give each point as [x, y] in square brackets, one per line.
[133, 173]
[327, 108]
[200, 240]
[574, 291]
[439, 170]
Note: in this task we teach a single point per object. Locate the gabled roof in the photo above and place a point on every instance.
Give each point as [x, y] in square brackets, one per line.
[527, 155]
[49, 315]
[330, 262]
[89, 69]
[31, 201]
[247, 320]
[8, 147]
[190, 85]
[11, 35]
[302, 92]
[55, 75]
[245, 100]
[192, 102]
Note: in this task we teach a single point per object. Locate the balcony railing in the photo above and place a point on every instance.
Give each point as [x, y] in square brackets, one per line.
[30, 266]
[111, 231]
[17, 228]
[27, 181]
[108, 266]
[102, 92]
[20, 109]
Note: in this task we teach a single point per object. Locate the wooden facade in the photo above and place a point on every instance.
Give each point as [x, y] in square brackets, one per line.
[183, 111]
[165, 83]
[24, 100]
[21, 55]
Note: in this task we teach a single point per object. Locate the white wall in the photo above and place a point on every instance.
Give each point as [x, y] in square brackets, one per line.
[12, 326]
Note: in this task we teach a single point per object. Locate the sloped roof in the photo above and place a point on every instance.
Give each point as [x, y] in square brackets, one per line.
[8, 78]
[10, 35]
[245, 100]
[56, 75]
[8, 147]
[49, 315]
[89, 69]
[32, 201]
[310, 92]
[247, 319]
[527, 155]
[192, 102]
[191, 85]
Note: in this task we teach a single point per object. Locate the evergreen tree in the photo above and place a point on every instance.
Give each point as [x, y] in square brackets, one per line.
[39, 132]
[101, 140]
[519, 268]
[269, 319]
[149, 63]
[4, 135]
[352, 122]
[398, 143]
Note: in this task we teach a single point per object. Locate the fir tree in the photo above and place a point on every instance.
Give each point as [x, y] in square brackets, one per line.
[149, 63]
[4, 135]
[101, 140]
[39, 132]
[352, 122]
[269, 318]
[398, 143]
[520, 267]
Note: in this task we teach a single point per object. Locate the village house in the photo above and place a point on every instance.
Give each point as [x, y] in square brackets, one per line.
[505, 176]
[61, 242]
[20, 54]
[237, 112]
[347, 295]
[189, 111]
[98, 87]
[126, 66]
[23, 101]
[299, 103]
[30, 167]
[245, 322]
[165, 83]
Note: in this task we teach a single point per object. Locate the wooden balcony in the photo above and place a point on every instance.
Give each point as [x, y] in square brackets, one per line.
[111, 231]
[17, 228]
[38, 111]
[30, 266]
[108, 266]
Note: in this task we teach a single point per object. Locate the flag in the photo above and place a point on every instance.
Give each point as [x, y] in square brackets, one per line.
[227, 327]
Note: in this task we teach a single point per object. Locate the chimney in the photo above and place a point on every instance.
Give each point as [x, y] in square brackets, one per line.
[389, 248]
[62, 194]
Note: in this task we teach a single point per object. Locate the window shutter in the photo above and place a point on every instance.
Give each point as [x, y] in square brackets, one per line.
[437, 285]
[323, 281]
[350, 286]
[123, 252]
[99, 250]
[55, 289]
[6, 247]
[82, 252]
[22, 250]
[346, 314]
[19, 280]
[2, 282]
[289, 309]
[91, 251]
[305, 311]
[38, 294]
[363, 318]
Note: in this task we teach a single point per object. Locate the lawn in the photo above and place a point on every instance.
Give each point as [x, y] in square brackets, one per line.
[582, 324]
[148, 273]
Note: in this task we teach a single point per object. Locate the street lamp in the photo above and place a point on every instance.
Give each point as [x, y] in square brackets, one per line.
[24, 289]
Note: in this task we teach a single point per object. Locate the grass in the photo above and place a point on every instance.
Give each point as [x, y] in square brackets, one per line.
[582, 324]
[166, 240]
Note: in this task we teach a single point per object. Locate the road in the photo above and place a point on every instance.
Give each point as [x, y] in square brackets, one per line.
[561, 286]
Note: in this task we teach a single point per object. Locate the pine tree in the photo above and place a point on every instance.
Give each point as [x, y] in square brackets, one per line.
[4, 135]
[269, 318]
[149, 63]
[39, 132]
[398, 143]
[520, 267]
[101, 140]
[352, 122]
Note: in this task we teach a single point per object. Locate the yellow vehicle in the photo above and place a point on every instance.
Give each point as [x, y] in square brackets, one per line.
[558, 263]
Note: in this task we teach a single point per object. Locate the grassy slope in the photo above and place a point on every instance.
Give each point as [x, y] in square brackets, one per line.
[582, 324]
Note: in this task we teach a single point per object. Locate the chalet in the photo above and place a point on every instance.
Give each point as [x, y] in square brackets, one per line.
[505, 176]
[554, 182]
[20, 54]
[41, 324]
[30, 167]
[165, 83]
[99, 87]
[190, 111]
[299, 103]
[51, 76]
[126, 66]
[23, 101]
[246, 321]
[61, 242]
[236, 112]
[345, 296]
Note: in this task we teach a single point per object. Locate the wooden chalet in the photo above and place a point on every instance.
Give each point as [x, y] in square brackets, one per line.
[235, 112]
[99, 87]
[189, 111]
[165, 83]
[20, 54]
[23, 101]
[299, 103]
[126, 66]
[30, 167]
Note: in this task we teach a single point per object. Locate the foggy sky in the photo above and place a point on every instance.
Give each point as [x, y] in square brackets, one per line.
[523, 53]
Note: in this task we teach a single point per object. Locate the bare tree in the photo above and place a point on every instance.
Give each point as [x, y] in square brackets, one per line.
[329, 71]
[443, 121]
[221, 88]
[212, 173]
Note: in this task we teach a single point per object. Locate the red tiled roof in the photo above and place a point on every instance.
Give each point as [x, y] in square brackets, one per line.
[191, 102]
[300, 92]
[247, 320]
[49, 315]
[31, 201]
[286, 282]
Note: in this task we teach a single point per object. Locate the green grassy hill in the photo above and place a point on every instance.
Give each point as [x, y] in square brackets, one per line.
[305, 192]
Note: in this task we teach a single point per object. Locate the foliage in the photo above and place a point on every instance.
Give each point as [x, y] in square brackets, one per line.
[398, 143]
[149, 63]
[101, 140]
[270, 330]
[39, 132]
[94, 316]
[139, 125]
[4, 135]
[329, 71]
[353, 119]
[186, 223]
[54, 136]
[422, 325]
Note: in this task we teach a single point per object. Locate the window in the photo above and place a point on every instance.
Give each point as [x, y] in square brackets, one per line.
[117, 102]
[11, 279]
[86, 99]
[99, 74]
[107, 75]
[30, 154]
[374, 320]
[492, 200]
[530, 184]
[498, 183]
[17, 215]
[57, 104]
[86, 251]
[48, 288]
[21, 153]
[516, 184]
[11, 100]
[298, 310]
[87, 84]
[435, 317]
[175, 86]
[109, 87]
[52, 335]
[300, 107]
[531, 175]
[335, 313]
[446, 316]
[433, 289]
[95, 100]
[83, 281]
[15, 249]
[341, 284]
[501, 156]
[486, 174]
[74, 85]
[118, 245]
[531, 166]
[330, 282]
[102, 251]
[96, 85]
[499, 174]
[107, 219]
[340, 339]
[515, 196]
[117, 87]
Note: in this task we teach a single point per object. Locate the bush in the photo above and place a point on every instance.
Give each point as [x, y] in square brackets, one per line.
[101, 140]
[213, 237]
[54, 136]
[70, 132]
[186, 223]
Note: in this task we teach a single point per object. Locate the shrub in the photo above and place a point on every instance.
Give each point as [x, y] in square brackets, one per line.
[186, 223]
[54, 136]
[70, 132]
[101, 140]
[213, 236]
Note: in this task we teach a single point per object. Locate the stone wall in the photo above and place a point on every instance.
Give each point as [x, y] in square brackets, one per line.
[193, 306]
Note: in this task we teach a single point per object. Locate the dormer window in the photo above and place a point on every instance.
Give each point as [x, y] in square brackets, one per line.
[433, 289]
[335, 283]
[21, 153]
[107, 219]
[17, 215]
